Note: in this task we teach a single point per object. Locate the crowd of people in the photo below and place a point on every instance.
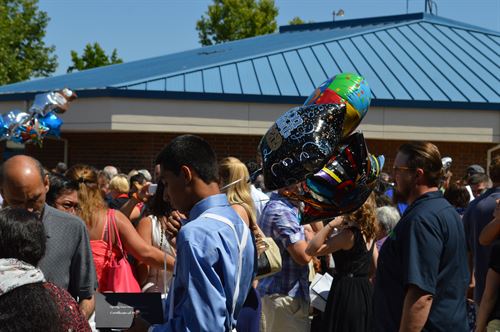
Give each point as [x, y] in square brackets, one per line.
[419, 254]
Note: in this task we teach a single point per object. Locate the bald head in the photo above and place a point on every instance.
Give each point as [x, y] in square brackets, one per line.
[23, 183]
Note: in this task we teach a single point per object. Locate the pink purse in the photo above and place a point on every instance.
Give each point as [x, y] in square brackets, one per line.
[117, 271]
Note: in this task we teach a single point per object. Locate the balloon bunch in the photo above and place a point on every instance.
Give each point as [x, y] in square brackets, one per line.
[312, 152]
[39, 121]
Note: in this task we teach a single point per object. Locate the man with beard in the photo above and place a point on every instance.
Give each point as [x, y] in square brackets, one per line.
[422, 268]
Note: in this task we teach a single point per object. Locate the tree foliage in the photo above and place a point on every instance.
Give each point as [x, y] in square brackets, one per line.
[23, 53]
[93, 56]
[228, 20]
[296, 21]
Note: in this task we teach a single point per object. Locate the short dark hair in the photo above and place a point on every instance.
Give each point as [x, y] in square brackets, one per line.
[426, 156]
[478, 178]
[23, 235]
[458, 196]
[59, 185]
[192, 151]
[139, 178]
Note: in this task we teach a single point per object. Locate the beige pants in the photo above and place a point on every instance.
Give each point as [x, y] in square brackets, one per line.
[493, 326]
[284, 313]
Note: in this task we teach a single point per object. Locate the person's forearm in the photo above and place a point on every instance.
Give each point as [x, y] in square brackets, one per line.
[129, 206]
[416, 308]
[87, 306]
[155, 257]
[490, 232]
[484, 311]
[319, 239]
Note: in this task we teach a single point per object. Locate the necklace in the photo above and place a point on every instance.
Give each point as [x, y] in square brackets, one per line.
[162, 232]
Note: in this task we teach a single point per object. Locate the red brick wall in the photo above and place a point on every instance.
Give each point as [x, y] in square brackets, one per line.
[463, 154]
[128, 151]
[138, 150]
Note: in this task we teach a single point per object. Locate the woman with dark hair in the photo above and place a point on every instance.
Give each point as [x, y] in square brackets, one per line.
[152, 230]
[27, 302]
[62, 194]
[458, 196]
[351, 241]
[97, 216]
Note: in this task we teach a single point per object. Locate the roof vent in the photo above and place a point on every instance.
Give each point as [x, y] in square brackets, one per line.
[222, 50]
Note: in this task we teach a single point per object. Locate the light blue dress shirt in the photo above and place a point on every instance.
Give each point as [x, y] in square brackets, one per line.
[205, 278]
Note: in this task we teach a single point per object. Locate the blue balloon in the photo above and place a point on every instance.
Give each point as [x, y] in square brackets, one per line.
[53, 122]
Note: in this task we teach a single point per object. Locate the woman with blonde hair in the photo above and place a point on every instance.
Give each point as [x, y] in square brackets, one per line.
[350, 239]
[234, 178]
[234, 182]
[97, 216]
[119, 188]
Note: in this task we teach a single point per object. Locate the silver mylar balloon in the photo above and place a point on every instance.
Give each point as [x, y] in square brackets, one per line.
[52, 101]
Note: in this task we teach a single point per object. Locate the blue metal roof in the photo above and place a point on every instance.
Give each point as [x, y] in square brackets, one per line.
[413, 60]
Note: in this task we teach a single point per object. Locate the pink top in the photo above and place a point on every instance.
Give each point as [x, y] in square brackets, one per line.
[101, 249]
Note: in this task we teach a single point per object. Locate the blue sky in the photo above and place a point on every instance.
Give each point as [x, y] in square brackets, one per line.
[148, 28]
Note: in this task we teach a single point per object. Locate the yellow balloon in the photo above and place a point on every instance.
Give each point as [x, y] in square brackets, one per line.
[351, 121]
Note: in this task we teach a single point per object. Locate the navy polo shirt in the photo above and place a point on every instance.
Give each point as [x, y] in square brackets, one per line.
[427, 249]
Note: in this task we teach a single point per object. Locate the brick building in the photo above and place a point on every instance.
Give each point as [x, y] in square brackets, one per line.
[432, 79]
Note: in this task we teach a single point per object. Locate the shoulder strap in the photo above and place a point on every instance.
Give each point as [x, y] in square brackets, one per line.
[105, 229]
[112, 221]
[241, 246]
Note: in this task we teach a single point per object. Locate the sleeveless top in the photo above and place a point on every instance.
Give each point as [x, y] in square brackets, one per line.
[355, 262]
[160, 241]
[100, 248]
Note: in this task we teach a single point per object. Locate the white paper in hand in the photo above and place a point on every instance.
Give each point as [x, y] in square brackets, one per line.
[320, 287]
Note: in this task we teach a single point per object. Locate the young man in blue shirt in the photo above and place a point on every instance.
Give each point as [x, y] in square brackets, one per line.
[422, 272]
[211, 278]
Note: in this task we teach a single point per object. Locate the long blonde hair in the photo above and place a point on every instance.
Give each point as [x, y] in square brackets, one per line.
[366, 218]
[89, 196]
[231, 169]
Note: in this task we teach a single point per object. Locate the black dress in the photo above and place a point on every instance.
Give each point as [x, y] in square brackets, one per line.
[349, 305]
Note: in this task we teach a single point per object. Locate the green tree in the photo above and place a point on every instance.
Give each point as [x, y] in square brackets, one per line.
[23, 53]
[228, 20]
[296, 21]
[93, 56]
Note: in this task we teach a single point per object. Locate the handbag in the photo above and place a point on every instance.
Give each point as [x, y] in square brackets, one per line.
[117, 271]
[269, 260]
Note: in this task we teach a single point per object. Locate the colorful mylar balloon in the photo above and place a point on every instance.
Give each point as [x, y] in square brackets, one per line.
[350, 89]
[299, 143]
[39, 121]
[342, 185]
[32, 132]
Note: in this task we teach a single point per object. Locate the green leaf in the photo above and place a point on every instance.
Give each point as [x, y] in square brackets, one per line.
[227, 20]
[23, 53]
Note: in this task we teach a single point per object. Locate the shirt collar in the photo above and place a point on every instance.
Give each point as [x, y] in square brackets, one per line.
[218, 200]
[424, 197]
[278, 197]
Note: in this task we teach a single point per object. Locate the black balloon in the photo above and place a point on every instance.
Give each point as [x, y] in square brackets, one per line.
[300, 142]
[340, 187]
